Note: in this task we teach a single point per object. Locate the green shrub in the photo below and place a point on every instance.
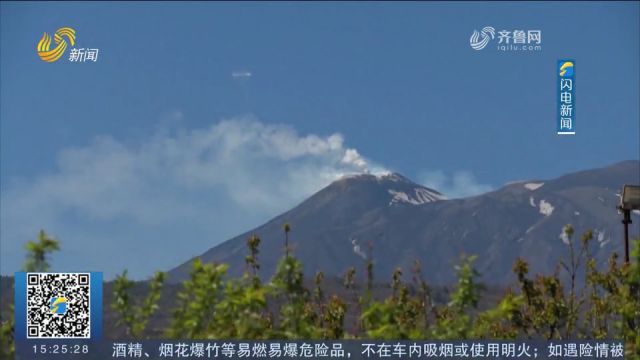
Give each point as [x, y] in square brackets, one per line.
[210, 305]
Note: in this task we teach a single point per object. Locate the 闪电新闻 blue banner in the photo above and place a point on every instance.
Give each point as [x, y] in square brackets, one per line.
[566, 90]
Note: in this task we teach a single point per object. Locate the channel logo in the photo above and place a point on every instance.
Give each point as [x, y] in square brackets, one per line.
[566, 69]
[479, 40]
[58, 305]
[61, 37]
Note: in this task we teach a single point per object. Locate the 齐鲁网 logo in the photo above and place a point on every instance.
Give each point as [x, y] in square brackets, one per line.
[478, 41]
[508, 40]
[63, 38]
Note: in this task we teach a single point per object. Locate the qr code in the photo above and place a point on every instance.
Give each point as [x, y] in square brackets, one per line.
[58, 305]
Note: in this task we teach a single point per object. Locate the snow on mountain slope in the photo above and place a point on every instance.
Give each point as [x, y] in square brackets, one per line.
[533, 186]
[546, 208]
[351, 220]
[420, 196]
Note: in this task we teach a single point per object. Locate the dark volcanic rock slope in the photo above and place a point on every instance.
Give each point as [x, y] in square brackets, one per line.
[403, 222]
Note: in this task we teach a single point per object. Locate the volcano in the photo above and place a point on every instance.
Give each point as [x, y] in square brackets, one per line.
[394, 221]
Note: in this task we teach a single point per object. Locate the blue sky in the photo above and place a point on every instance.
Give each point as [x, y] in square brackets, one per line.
[157, 145]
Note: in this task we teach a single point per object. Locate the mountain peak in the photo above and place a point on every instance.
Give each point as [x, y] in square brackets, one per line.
[404, 222]
[393, 187]
[393, 176]
[379, 177]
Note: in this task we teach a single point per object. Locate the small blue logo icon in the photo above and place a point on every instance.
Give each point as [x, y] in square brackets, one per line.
[566, 69]
[58, 305]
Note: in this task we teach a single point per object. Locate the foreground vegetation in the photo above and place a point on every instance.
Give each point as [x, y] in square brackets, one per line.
[593, 304]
